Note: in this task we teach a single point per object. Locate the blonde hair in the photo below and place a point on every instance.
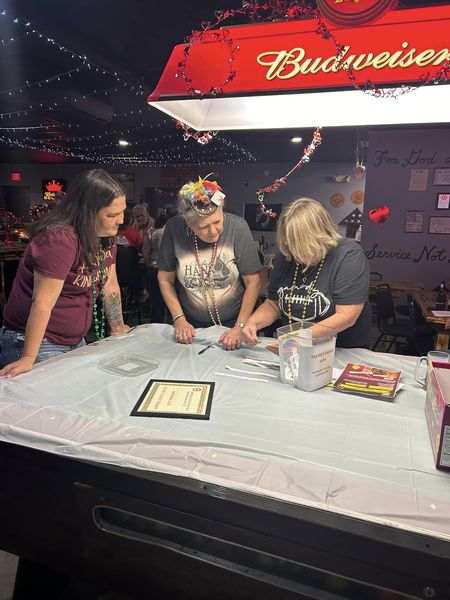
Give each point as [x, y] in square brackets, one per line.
[306, 232]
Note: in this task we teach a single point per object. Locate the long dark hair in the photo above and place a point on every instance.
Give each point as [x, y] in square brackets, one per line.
[88, 193]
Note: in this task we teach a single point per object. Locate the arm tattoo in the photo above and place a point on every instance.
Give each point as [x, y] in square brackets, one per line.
[113, 310]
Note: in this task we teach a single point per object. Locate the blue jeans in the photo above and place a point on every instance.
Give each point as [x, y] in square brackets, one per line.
[12, 343]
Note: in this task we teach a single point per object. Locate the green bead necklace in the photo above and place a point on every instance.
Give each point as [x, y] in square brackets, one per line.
[99, 324]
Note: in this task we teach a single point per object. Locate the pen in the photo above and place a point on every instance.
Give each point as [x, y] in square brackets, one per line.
[204, 349]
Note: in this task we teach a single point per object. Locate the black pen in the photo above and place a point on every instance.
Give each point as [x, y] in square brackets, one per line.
[204, 349]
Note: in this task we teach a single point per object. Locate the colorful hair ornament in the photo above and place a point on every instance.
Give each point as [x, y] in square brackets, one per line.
[204, 196]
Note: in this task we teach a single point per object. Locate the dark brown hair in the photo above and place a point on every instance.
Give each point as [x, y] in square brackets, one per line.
[88, 193]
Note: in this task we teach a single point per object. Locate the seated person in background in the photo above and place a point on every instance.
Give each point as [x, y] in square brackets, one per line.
[317, 276]
[67, 266]
[208, 266]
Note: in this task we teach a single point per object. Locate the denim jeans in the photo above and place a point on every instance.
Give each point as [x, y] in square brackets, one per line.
[12, 343]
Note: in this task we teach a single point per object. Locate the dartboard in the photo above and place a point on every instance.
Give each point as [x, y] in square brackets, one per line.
[358, 197]
[337, 200]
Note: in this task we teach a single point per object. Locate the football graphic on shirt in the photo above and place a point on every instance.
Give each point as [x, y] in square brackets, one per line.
[318, 303]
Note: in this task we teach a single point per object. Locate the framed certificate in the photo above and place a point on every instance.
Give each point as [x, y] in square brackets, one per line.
[441, 177]
[177, 399]
[442, 201]
[414, 221]
[439, 225]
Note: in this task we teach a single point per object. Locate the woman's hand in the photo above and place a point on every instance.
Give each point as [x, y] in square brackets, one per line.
[231, 339]
[121, 329]
[23, 365]
[249, 333]
[184, 332]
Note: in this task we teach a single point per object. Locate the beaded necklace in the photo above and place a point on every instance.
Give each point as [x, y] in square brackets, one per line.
[308, 295]
[206, 277]
[99, 324]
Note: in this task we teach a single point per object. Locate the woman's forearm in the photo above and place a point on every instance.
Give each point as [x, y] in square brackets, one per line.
[170, 297]
[251, 294]
[113, 309]
[265, 314]
[35, 330]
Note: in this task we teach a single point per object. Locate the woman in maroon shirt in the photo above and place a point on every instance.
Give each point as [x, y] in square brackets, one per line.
[69, 265]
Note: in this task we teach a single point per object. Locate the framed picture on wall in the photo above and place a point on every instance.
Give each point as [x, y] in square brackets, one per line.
[439, 225]
[441, 177]
[443, 201]
[257, 220]
[413, 221]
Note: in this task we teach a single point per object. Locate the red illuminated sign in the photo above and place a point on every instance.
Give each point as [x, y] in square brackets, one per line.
[354, 12]
[15, 176]
[50, 187]
[403, 46]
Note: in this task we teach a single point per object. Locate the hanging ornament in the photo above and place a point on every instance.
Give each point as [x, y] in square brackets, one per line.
[307, 153]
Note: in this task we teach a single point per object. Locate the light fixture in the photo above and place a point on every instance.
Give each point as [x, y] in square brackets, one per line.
[123, 143]
[296, 140]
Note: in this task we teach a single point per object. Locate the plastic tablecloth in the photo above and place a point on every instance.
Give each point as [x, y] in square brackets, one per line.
[345, 453]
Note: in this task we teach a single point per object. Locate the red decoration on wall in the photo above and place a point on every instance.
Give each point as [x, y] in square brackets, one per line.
[379, 215]
[352, 13]
[50, 187]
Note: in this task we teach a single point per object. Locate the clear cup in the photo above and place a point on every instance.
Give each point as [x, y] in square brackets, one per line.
[424, 362]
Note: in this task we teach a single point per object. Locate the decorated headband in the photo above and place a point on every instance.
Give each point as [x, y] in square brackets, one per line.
[204, 196]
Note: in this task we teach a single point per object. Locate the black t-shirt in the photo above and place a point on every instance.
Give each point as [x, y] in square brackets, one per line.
[343, 279]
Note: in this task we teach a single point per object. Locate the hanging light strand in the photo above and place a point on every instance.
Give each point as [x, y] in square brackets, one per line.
[137, 88]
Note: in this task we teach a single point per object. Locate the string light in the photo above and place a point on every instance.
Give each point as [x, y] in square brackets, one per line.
[135, 87]
[41, 82]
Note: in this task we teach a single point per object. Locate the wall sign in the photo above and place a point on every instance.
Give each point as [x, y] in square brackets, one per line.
[441, 177]
[414, 221]
[15, 176]
[50, 187]
[442, 201]
[439, 225]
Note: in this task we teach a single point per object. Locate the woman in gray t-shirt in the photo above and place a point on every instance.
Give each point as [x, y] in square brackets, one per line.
[208, 266]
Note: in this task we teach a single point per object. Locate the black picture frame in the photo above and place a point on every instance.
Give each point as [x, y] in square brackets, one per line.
[138, 411]
[443, 201]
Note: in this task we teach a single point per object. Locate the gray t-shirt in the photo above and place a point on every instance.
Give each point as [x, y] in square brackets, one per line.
[236, 256]
[343, 279]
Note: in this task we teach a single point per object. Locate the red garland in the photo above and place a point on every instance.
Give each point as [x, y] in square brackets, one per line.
[308, 151]
[201, 138]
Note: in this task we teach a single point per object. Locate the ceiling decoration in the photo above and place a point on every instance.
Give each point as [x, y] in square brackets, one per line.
[74, 82]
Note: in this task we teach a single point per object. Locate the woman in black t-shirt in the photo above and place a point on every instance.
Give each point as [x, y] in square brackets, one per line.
[317, 276]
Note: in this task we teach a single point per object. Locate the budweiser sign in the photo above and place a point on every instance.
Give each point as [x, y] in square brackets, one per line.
[286, 64]
[403, 47]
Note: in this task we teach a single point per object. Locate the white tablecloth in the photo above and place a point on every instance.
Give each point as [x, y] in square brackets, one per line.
[340, 452]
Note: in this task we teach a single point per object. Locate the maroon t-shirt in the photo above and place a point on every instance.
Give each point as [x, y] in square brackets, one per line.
[57, 254]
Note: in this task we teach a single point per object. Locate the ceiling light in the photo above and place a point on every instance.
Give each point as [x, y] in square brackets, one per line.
[296, 140]
[123, 143]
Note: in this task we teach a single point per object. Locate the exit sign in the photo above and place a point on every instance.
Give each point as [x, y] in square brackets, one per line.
[16, 176]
